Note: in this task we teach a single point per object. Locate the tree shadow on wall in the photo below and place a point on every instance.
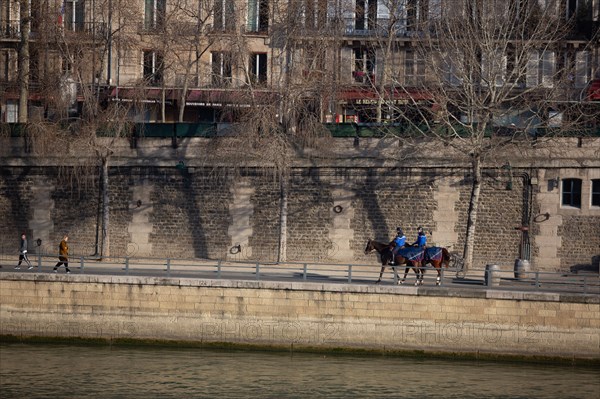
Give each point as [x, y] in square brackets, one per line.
[195, 222]
[375, 215]
[18, 208]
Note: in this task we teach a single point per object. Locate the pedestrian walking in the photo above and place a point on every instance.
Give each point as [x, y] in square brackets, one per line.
[23, 253]
[63, 255]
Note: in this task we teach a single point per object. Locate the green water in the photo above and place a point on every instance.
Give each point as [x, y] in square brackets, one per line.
[63, 371]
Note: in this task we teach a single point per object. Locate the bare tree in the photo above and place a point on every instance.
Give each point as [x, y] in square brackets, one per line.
[24, 59]
[78, 117]
[487, 62]
[281, 94]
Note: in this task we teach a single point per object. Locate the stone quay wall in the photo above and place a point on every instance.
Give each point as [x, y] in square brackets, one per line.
[302, 316]
[336, 202]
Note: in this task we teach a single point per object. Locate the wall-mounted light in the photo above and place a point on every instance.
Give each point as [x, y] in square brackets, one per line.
[139, 203]
[552, 184]
[39, 242]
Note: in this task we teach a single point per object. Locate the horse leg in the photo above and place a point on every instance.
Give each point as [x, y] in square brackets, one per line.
[380, 274]
[419, 272]
[406, 269]
[416, 270]
[438, 268]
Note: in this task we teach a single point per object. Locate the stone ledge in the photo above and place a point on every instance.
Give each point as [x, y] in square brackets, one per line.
[308, 286]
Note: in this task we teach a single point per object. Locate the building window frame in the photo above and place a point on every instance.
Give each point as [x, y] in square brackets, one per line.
[258, 68]
[74, 15]
[258, 15]
[221, 66]
[571, 192]
[153, 67]
[541, 68]
[414, 68]
[224, 16]
[595, 193]
[154, 14]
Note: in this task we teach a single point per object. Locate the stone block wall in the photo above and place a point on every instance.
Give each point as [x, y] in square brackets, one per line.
[302, 315]
[161, 211]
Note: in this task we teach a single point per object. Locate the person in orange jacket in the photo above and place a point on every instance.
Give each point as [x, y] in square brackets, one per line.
[63, 254]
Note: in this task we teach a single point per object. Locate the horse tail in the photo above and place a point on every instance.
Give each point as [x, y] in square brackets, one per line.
[445, 257]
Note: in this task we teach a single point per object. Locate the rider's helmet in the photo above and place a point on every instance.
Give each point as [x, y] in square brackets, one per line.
[419, 229]
[399, 231]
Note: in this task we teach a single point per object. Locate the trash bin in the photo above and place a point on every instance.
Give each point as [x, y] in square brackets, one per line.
[522, 268]
[492, 275]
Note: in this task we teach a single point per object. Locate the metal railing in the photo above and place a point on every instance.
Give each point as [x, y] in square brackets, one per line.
[585, 283]
[349, 273]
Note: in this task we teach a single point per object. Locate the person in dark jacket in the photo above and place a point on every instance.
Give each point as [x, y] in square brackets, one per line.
[63, 254]
[421, 241]
[23, 253]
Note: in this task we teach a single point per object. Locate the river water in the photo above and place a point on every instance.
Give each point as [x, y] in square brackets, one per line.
[74, 371]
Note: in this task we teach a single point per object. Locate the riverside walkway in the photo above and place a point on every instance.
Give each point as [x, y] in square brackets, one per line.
[503, 277]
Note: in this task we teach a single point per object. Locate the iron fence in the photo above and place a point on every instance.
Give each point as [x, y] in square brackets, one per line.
[349, 273]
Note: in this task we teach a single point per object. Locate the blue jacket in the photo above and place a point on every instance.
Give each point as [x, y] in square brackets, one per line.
[400, 241]
[421, 240]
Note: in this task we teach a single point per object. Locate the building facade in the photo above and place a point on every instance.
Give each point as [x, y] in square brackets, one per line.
[195, 61]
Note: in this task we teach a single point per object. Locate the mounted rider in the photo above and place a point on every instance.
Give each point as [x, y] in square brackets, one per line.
[421, 241]
[397, 243]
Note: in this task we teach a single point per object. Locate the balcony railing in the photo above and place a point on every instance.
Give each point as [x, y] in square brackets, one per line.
[382, 27]
[12, 30]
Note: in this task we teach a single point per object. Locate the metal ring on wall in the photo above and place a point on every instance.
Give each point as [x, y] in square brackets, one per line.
[338, 209]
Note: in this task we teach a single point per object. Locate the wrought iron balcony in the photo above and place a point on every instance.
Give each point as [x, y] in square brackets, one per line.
[12, 30]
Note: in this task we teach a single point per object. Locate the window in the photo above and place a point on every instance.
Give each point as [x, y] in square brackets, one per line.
[224, 15]
[258, 15]
[221, 68]
[258, 68]
[366, 14]
[12, 111]
[595, 192]
[540, 68]
[452, 66]
[364, 65]
[571, 192]
[416, 11]
[493, 68]
[153, 67]
[74, 15]
[414, 68]
[582, 68]
[154, 14]
[315, 14]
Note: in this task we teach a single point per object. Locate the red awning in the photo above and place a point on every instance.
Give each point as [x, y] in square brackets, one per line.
[365, 95]
[141, 94]
[593, 92]
[222, 97]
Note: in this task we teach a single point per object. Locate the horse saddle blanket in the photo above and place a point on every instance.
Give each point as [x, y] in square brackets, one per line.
[412, 253]
[433, 253]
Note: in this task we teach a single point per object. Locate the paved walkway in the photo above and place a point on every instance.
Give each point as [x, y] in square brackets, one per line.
[584, 282]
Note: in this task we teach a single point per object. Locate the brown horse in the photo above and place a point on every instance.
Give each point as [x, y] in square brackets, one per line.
[386, 255]
[385, 252]
[437, 264]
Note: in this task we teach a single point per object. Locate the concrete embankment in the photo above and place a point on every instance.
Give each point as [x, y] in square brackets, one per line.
[302, 316]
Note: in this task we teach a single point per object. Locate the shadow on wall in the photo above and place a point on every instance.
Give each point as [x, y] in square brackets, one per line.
[594, 267]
